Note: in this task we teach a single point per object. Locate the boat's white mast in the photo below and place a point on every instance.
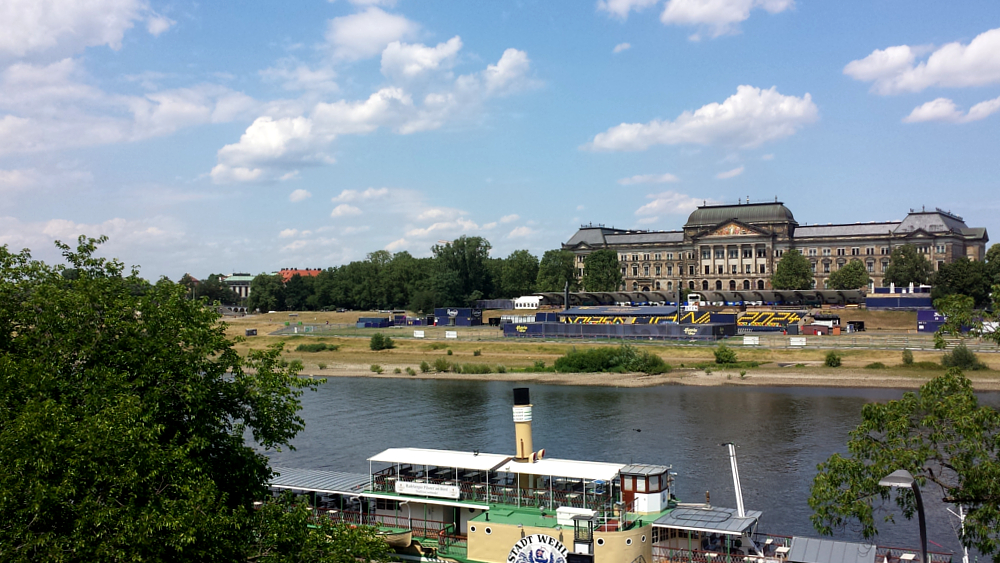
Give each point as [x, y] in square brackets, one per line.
[961, 518]
[736, 480]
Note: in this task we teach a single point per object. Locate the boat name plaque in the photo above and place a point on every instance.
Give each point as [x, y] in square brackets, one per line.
[538, 548]
[427, 489]
[522, 414]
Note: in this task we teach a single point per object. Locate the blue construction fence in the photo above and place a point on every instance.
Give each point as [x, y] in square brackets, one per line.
[620, 331]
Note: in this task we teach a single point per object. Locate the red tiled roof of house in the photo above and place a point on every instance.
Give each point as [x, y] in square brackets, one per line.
[287, 273]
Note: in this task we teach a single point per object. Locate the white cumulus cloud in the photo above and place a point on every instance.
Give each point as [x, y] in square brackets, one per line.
[57, 28]
[943, 109]
[621, 8]
[509, 218]
[521, 232]
[895, 69]
[405, 61]
[299, 195]
[355, 195]
[670, 203]
[718, 17]
[648, 179]
[286, 233]
[366, 34]
[748, 118]
[295, 76]
[344, 210]
[729, 173]
[621, 47]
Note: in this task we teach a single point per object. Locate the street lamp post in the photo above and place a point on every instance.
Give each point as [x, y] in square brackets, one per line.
[902, 478]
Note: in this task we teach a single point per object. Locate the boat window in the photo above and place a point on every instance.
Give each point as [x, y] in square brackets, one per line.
[628, 541]
[488, 530]
[643, 539]
[600, 541]
[640, 484]
[472, 529]
[627, 485]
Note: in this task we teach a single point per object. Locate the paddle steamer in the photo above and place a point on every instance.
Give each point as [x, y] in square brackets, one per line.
[474, 507]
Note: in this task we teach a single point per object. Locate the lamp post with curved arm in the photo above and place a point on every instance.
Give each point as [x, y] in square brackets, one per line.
[902, 478]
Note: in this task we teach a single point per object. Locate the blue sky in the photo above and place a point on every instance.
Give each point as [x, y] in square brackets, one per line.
[231, 136]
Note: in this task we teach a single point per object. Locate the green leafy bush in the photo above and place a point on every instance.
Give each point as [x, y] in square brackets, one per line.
[380, 341]
[624, 359]
[317, 347]
[963, 358]
[397, 370]
[832, 360]
[907, 358]
[436, 346]
[424, 367]
[539, 364]
[411, 371]
[296, 365]
[477, 352]
[876, 365]
[501, 368]
[725, 355]
[440, 365]
[321, 365]
[376, 368]
[449, 351]
[476, 368]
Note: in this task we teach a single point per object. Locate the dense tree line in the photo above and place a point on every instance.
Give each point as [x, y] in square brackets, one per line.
[457, 274]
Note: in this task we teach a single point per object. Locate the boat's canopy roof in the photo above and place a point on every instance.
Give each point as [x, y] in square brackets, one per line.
[811, 550]
[441, 458]
[319, 481]
[709, 519]
[571, 469]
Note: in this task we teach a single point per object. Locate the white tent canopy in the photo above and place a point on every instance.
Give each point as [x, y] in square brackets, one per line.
[441, 458]
[568, 468]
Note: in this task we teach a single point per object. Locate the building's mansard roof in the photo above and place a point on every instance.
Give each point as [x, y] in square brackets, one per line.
[856, 229]
[646, 237]
[750, 213]
[932, 222]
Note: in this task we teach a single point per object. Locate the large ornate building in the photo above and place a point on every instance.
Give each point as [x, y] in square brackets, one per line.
[736, 247]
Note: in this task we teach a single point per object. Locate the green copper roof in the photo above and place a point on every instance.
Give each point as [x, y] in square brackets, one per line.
[711, 215]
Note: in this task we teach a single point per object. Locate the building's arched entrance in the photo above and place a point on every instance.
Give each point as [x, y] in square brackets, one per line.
[704, 285]
[746, 284]
[760, 284]
[718, 285]
[732, 285]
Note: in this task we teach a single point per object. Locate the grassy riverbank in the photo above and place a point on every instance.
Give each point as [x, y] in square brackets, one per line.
[693, 365]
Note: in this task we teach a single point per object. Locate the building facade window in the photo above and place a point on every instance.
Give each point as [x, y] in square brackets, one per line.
[855, 252]
[691, 271]
[841, 252]
[670, 270]
[720, 268]
[645, 271]
[657, 270]
[657, 255]
[763, 269]
[826, 252]
[760, 284]
[706, 254]
[708, 270]
[635, 271]
[812, 252]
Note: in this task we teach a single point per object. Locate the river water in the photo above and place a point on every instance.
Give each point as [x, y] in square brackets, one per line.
[781, 433]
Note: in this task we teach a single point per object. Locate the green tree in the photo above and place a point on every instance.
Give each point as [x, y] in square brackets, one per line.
[467, 258]
[213, 289]
[555, 269]
[518, 274]
[965, 277]
[907, 266]
[962, 319]
[993, 264]
[298, 289]
[123, 411]
[852, 275]
[943, 437]
[792, 272]
[267, 293]
[601, 271]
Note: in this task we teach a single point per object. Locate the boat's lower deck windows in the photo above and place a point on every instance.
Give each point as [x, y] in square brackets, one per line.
[385, 504]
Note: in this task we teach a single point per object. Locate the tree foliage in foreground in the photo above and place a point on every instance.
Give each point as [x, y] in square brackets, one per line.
[943, 437]
[793, 272]
[123, 415]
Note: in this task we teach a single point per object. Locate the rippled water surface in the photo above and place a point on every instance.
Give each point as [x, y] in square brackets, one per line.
[782, 434]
